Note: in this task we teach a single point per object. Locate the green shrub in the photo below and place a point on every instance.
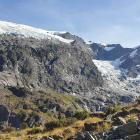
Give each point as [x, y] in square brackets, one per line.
[34, 131]
[55, 137]
[8, 129]
[67, 121]
[59, 123]
[24, 125]
[117, 108]
[113, 109]
[53, 124]
[90, 127]
[17, 134]
[81, 115]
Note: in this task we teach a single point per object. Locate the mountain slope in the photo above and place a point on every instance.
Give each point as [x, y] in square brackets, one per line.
[131, 62]
[38, 64]
[119, 67]
[37, 60]
[28, 31]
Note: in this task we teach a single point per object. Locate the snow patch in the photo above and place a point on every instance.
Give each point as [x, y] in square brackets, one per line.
[108, 48]
[117, 62]
[103, 44]
[132, 54]
[138, 66]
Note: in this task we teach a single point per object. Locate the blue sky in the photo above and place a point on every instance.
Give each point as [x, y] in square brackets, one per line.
[105, 21]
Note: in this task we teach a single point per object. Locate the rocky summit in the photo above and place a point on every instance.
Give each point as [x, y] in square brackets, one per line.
[55, 86]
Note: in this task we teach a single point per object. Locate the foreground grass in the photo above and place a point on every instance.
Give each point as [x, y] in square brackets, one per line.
[64, 132]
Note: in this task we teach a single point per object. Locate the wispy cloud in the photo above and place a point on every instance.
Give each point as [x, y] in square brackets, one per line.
[109, 21]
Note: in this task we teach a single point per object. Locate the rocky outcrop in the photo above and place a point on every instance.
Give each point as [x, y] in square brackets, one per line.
[109, 52]
[4, 113]
[131, 62]
[127, 131]
[13, 120]
[39, 64]
[70, 36]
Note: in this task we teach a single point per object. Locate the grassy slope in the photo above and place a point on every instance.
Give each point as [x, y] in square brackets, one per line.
[64, 131]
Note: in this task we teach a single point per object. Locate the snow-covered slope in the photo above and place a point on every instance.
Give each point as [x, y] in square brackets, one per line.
[132, 54]
[116, 78]
[28, 31]
[110, 73]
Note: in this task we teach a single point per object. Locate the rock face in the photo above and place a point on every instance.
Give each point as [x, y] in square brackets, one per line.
[120, 69]
[109, 52]
[38, 64]
[131, 62]
[69, 36]
[124, 58]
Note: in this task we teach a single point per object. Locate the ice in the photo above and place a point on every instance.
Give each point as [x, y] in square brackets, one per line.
[28, 31]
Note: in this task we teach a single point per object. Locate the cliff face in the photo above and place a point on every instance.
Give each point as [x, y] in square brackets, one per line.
[38, 64]
[109, 52]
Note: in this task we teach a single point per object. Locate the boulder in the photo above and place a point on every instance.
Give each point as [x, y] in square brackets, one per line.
[127, 129]
[80, 136]
[3, 113]
[69, 113]
[123, 132]
[34, 120]
[133, 137]
[119, 121]
[14, 121]
[85, 136]
[88, 136]
[122, 120]
[126, 99]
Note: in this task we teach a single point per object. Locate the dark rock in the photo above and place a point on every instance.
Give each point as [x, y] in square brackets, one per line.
[101, 54]
[19, 92]
[119, 121]
[126, 99]
[4, 114]
[69, 113]
[133, 137]
[34, 120]
[88, 136]
[80, 136]
[127, 129]
[90, 126]
[131, 62]
[85, 136]
[14, 121]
